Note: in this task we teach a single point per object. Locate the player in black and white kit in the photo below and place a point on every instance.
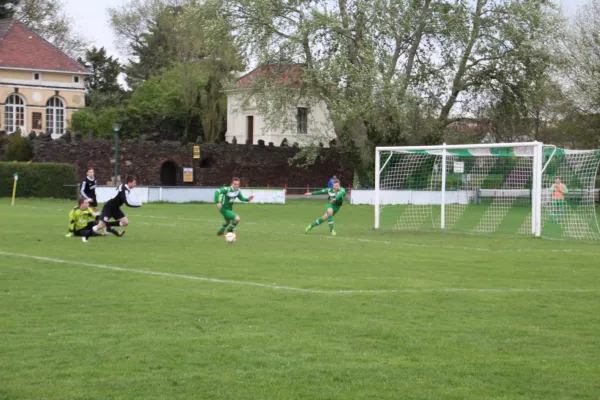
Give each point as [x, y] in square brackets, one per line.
[112, 208]
[87, 189]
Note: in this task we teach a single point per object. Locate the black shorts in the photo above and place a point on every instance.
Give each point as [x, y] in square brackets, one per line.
[93, 202]
[89, 226]
[109, 212]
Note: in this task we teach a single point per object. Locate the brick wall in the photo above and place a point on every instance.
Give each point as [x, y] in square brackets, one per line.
[255, 165]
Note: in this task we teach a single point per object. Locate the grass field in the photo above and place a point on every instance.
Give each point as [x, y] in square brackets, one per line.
[171, 311]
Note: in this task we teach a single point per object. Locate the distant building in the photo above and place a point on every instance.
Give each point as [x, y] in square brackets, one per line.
[40, 86]
[244, 122]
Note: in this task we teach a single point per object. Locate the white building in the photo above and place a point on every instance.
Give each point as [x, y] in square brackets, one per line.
[309, 120]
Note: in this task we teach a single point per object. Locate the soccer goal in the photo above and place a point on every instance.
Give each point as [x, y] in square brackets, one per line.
[511, 188]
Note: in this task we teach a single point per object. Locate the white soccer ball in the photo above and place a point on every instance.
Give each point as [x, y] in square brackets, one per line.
[230, 237]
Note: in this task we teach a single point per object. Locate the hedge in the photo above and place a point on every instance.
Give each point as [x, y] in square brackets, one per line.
[39, 180]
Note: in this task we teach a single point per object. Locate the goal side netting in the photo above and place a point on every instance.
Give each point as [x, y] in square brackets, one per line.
[525, 188]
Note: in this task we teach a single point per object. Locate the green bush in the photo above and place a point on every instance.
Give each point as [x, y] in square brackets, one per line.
[39, 180]
[17, 148]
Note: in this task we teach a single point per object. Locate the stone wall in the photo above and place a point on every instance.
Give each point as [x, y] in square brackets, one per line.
[256, 166]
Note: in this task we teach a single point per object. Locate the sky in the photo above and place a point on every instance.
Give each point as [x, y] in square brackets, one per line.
[91, 18]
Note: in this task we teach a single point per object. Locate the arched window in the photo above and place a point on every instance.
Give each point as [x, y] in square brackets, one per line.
[14, 114]
[55, 115]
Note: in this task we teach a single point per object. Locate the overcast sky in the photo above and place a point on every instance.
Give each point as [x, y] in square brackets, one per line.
[92, 20]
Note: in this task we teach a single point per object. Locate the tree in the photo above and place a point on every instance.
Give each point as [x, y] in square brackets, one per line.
[365, 56]
[159, 104]
[182, 53]
[102, 87]
[48, 20]
[206, 55]
[144, 28]
[582, 45]
[7, 8]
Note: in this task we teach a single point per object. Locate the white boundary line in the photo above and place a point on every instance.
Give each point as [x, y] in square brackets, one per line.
[291, 288]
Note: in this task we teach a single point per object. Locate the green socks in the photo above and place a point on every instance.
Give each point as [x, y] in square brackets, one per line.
[232, 226]
[316, 223]
[330, 222]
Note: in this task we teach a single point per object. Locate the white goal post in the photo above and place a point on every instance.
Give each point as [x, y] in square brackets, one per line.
[514, 188]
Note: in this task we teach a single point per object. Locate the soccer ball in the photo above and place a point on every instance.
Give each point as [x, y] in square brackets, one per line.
[230, 237]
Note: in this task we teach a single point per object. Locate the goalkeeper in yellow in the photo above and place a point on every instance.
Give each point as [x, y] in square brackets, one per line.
[224, 198]
[81, 221]
[335, 200]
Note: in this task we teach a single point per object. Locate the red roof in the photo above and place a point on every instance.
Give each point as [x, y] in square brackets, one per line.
[286, 74]
[20, 47]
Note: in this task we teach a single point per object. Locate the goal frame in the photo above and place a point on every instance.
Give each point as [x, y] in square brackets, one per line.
[537, 170]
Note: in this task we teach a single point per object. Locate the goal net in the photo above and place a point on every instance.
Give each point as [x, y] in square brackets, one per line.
[510, 188]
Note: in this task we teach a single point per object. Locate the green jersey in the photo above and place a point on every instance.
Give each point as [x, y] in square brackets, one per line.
[79, 219]
[227, 195]
[332, 194]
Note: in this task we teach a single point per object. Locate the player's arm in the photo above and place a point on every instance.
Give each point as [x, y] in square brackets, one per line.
[318, 192]
[131, 203]
[218, 196]
[82, 190]
[72, 221]
[244, 199]
[91, 216]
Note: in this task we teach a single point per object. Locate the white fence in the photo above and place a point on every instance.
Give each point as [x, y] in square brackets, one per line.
[149, 194]
[427, 197]
[420, 197]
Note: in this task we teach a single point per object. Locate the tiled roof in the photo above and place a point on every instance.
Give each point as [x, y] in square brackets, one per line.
[286, 74]
[20, 47]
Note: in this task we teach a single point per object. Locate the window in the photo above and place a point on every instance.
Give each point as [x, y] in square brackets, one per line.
[37, 76]
[76, 79]
[14, 113]
[302, 120]
[55, 115]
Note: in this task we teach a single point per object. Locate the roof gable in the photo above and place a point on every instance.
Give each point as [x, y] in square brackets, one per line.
[283, 74]
[22, 48]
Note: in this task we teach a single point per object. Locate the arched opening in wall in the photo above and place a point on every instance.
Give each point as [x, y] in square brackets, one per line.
[206, 162]
[168, 174]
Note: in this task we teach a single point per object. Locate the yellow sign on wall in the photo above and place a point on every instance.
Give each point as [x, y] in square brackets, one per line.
[188, 174]
[196, 151]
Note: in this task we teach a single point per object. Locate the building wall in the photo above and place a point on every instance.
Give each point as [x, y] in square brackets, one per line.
[36, 94]
[320, 127]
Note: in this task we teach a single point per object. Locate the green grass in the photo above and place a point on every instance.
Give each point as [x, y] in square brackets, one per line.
[365, 315]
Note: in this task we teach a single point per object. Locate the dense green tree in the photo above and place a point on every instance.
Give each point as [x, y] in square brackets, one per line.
[102, 87]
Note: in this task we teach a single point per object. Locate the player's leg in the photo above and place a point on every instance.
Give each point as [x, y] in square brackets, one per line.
[223, 228]
[94, 205]
[234, 222]
[330, 213]
[107, 214]
[86, 232]
[318, 222]
[561, 208]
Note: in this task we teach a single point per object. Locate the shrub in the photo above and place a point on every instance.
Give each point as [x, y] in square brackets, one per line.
[18, 148]
[39, 180]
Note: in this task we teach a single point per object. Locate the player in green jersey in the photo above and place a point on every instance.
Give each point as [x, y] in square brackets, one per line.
[224, 198]
[334, 203]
